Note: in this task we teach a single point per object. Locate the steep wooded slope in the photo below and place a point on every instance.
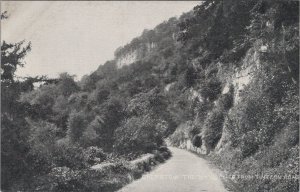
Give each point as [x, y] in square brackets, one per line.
[230, 73]
[223, 76]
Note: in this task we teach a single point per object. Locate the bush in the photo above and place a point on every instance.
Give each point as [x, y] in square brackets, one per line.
[139, 134]
[212, 131]
[94, 155]
[202, 109]
[76, 125]
[113, 177]
[197, 141]
[263, 130]
[226, 100]
[70, 155]
[211, 89]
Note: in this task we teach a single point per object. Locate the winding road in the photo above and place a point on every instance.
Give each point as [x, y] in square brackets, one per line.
[183, 172]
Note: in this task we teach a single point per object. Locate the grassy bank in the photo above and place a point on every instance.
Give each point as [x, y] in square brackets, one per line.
[103, 177]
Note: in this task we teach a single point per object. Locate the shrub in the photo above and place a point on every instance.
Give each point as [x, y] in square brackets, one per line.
[70, 155]
[226, 100]
[197, 140]
[212, 131]
[194, 131]
[264, 131]
[249, 144]
[94, 155]
[190, 77]
[211, 89]
[76, 126]
[202, 109]
[139, 134]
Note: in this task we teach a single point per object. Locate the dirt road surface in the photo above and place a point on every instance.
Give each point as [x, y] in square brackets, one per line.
[183, 172]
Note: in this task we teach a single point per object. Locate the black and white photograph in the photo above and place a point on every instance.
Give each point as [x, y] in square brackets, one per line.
[150, 96]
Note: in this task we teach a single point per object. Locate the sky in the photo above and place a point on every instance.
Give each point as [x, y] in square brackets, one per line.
[76, 37]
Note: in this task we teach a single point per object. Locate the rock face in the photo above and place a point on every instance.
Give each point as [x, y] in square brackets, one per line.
[127, 57]
[239, 78]
[157, 41]
[242, 76]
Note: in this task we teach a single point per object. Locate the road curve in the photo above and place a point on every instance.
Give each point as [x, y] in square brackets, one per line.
[183, 172]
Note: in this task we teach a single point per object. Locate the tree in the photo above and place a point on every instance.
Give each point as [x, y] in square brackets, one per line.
[14, 129]
[76, 126]
[41, 100]
[42, 139]
[91, 136]
[139, 135]
[112, 114]
[11, 58]
[66, 85]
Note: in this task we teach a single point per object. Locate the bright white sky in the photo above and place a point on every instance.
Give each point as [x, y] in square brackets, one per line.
[76, 37]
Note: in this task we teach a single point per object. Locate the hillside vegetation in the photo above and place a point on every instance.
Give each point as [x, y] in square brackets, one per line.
[224, 76]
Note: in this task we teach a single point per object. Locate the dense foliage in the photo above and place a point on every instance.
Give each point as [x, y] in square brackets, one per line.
[184, 85]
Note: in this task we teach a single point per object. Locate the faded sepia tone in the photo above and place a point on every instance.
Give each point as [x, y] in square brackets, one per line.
[87, 32]
[149, 96]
